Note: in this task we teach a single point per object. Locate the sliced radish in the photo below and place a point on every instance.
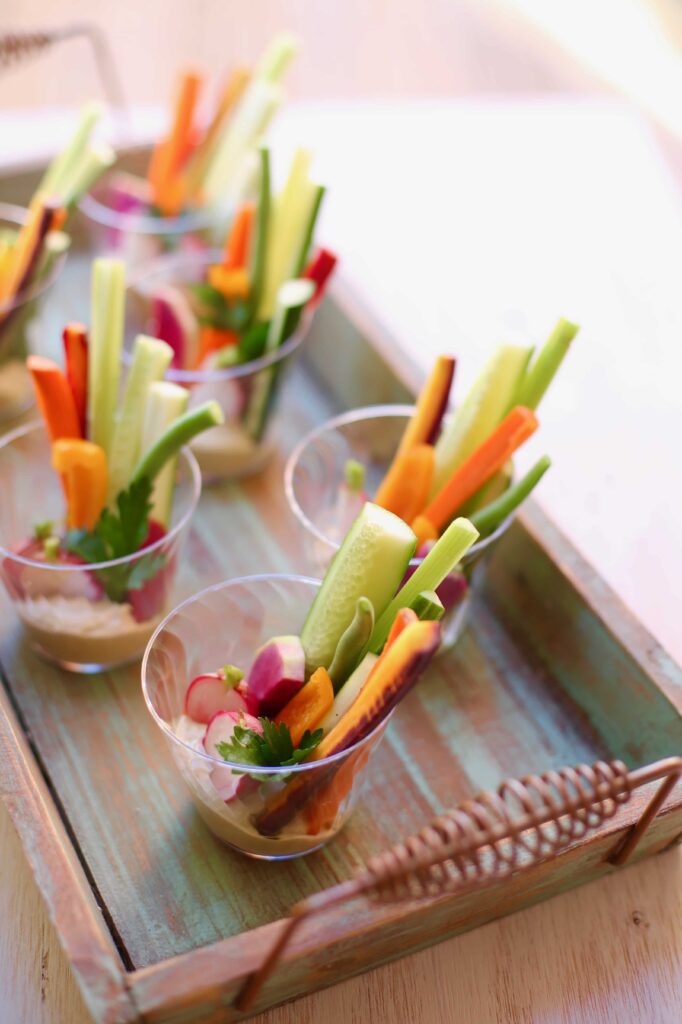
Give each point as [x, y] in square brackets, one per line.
[277, 674]
[210, 693]
[40, 580]
[173, 321]
[219, 730]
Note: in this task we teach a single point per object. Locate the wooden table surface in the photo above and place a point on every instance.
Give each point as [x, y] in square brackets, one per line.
[611, 951]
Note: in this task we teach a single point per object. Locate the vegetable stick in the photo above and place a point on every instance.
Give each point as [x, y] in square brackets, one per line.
[277, 57]
[54, 398]
[233, 284]
[431, 406]
[167, 157]
[490, 491]
[308, 706]
[26, 249]
[405, 489]
[348, 693]
[403, 618]
[540, 373]
[352, 643]
[262, 228]
[439, 562]
[483, 463]
[166, 403]
[198, 161]
[57, 175]
[83, 466]
[487, 403]
[491, 516]
[75, 339]
[106, 341]
[175, 436]
[320, 270]
[321, 812]
[427, 606]
[151, 359]
[238, 241]
[91, 165]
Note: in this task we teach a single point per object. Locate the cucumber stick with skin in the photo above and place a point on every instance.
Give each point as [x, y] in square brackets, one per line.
[175, 436]
[486, 405]
[166, 403]
[151, 359]
[370, 563]
[291, 298]
[104, 353]
[440, 561]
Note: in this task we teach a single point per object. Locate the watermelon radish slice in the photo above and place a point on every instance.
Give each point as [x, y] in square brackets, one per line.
[173, 321]
[277, 674]
[220, 729]
[210, 693]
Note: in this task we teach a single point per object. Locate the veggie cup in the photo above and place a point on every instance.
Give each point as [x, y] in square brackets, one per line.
[122, 223]
[85, 617]
[247, 393]
[21, 324]
[325, 499]
[193, 637]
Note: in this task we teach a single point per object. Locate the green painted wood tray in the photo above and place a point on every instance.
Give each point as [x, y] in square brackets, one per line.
[163, 924]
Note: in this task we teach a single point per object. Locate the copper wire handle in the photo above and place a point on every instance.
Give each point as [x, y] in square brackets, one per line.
[17, 46]
[524, 822]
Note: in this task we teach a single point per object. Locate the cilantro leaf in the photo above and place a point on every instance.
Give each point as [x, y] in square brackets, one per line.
[274, 749]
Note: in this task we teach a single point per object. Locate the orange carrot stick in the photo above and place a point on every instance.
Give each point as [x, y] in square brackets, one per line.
[320, 813]
[239, 237]
[308, 706]
[83, 466]
[403, 619]
[198, 162]
[212, 339]
[406, 487]
[54, 397]
[169, 153]
[484, 461]
[75, 338]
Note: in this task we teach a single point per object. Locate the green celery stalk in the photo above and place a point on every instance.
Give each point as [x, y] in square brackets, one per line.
[291, 298]
[427, 606]
[91, 165]
[175, 436]
[440, 561]
[260, 246]
[151, 359]
[489, 518]
[540, 373]
[309, 231]
[55, 181]
[279, 54]
[104, 354]
[486, 404]
[166, 403]
[352, 643]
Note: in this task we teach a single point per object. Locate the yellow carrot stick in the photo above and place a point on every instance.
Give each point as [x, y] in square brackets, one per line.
[83, 466]
[406, 487]
[308, 706]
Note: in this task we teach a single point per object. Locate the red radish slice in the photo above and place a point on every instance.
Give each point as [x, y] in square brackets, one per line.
[220, 729]
[39, 580]
[173, 321]
[209, 694]
[277, 674]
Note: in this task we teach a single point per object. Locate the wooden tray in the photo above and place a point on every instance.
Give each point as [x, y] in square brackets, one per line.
[163, 924]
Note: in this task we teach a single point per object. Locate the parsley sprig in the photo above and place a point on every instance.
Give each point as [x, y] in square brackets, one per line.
[117, 534]
[274, 749]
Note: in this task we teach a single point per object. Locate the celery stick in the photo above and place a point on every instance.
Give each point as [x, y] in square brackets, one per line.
[277, 57]
[427, 606]
[440, 561]
[151, 359]
[489, 518]
[301, 259]
[166, 403]
[175, 436]
[352, 643]
[348, 694]
[93, 163]
[487, 403]
[540, 373]
[291, 298]
[370, 563]
[259, 249]
[104, 357]
[55, 179]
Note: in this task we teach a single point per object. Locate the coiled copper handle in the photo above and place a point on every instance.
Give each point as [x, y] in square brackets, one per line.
[525, 821]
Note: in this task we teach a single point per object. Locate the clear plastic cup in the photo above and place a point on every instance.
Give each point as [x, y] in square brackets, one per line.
[22, 322]
[284, 812]
[129, 229]
[243, 445]
[314, 478]
[66, 610]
